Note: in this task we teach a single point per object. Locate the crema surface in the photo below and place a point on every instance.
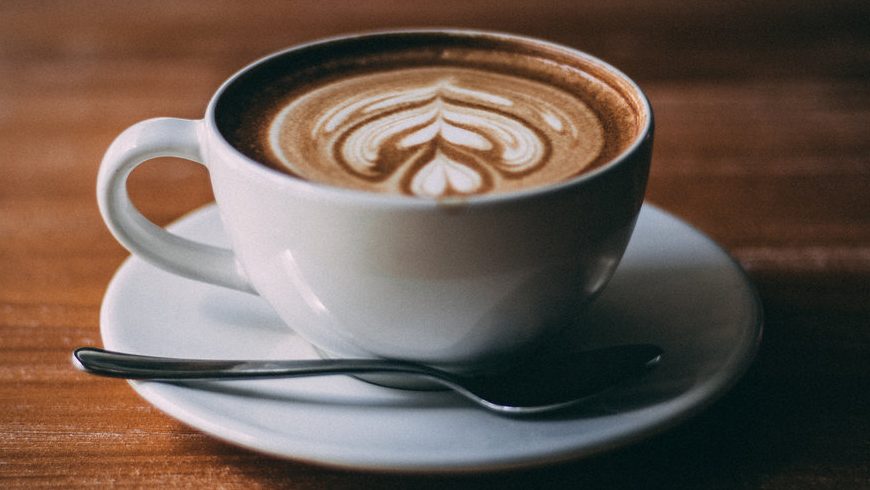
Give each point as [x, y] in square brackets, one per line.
[430, 116]
[436, 132]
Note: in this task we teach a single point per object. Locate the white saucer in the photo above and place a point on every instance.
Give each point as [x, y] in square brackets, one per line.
[675, 288]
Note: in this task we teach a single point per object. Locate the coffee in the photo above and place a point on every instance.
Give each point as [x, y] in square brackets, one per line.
[431, 116]
[470, 276]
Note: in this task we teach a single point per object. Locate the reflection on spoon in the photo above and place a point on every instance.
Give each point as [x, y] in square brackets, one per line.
[529, 387]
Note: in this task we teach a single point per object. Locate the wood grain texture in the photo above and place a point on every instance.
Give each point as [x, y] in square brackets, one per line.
[762, 108]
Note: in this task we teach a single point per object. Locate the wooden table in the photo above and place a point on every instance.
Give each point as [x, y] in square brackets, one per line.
[763, 142]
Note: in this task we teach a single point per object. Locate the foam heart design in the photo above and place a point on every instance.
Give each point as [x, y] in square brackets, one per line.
[444, 139]
[436, 132]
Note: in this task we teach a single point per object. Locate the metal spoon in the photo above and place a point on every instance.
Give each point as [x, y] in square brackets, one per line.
[528, 387]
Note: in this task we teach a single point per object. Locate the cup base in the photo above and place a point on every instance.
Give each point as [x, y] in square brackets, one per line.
[398, 381]
[541, 352]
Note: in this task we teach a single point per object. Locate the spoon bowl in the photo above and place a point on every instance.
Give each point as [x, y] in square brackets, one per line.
[526, 387]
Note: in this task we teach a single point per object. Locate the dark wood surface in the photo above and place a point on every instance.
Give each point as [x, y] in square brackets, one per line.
[763, 142]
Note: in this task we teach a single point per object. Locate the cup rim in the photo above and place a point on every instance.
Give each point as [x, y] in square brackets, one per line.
[326, 191]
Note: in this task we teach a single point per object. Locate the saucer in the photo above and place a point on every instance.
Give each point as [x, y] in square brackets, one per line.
[674, 287]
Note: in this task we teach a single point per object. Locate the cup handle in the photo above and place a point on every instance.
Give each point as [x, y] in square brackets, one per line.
[139, 143]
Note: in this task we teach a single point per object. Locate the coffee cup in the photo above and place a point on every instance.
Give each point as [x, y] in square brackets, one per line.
[449, 197]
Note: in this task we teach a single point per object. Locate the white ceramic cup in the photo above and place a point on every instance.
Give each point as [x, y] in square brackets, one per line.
[460, 285]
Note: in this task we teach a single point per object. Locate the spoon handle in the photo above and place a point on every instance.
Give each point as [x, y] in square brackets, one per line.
[133, 366]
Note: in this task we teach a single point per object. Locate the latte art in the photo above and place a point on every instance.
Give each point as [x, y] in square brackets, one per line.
[444, 140]
[436, 132]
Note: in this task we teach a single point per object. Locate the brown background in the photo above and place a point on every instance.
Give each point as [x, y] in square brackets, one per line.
[763, 115]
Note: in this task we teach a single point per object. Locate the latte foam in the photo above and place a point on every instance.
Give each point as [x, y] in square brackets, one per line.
[430, 116]
[436, 132]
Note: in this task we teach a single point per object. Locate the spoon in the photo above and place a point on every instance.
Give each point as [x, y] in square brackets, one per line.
[526, 387]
